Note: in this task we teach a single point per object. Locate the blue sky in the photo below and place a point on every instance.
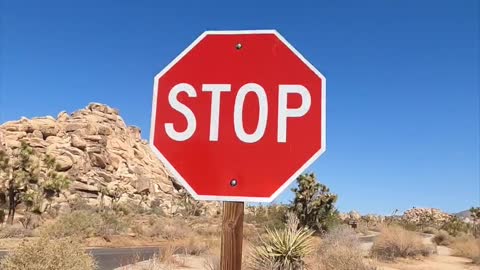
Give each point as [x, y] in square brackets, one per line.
[402, 80]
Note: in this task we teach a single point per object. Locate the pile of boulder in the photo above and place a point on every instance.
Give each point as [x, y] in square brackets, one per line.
[425, 216]
[102, 156]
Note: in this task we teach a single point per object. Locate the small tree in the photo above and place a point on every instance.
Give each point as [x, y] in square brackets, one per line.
[23, 180]
[18, 172]
[314, 205]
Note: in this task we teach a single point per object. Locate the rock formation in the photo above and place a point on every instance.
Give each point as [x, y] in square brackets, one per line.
[425, 216]
[100, 154]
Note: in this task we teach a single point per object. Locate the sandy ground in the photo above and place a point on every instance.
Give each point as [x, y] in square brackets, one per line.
[442, 261]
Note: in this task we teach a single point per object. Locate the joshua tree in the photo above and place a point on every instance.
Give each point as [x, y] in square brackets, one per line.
[475, 214]
[23, 181]
[313, 203]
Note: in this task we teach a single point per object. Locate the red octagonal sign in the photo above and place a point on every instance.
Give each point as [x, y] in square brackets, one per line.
[238, 115]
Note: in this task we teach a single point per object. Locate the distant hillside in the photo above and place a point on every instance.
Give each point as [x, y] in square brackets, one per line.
[463, 214]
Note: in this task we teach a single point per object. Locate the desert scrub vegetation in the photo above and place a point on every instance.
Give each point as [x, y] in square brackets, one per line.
[395, 241]
[14, 231]
[269, 216]
[442, 238]
[168, 229]
[467, 246]
[339, 250]
[86, 224]
[48, 254]
[283, 249]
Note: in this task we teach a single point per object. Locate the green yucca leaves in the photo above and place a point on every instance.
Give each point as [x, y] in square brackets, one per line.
[283, 249]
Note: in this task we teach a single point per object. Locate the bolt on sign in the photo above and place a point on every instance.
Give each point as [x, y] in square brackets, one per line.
[238, 115]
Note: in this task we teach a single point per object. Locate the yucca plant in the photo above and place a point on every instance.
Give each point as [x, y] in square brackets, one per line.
[283, 249]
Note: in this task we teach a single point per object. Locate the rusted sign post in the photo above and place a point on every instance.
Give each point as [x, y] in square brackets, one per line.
[236, 117]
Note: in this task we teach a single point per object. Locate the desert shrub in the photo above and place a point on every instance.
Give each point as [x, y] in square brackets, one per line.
[442, 238]
[79, 203]
[48, 254]
[123, 208]
[250, 232]
[193, 246]
[455, 226]
[81, 224]
[340, 250]
[209, 230]
[282, 249]
[394, 242]
[468, 247]
[169, 229]
[15, 231]
[270, 216]
[406, 224]
[430, 230]
[111, 224]
[86, 224]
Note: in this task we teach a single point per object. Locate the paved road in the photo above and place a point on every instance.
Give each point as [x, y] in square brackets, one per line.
[111, 258]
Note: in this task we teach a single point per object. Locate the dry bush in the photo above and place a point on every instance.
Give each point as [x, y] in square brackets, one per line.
[48, 254]
[468, 247]
[207, 229]
[430, 230]
[111, 224]
[250, 232]
[15, 231]
[194, 246]
[166, 254]
[395, 241]
[340, 250]
[86, 224]
[169, 229]
[442, 238]
[80, 223]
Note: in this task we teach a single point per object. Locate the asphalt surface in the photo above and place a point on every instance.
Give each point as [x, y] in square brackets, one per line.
[111, 258]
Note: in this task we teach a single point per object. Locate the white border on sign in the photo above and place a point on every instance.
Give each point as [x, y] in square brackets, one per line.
[179, 177]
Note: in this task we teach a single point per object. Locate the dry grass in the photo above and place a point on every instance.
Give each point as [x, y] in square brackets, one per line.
[339, 250]
[468, 247]
[212, 262]
[195, 246]
[169, 229]
[48, 254]
[14, 231]
[84, 224]
[81, 224]
[394, 242]
[442, 238]
[430, 230]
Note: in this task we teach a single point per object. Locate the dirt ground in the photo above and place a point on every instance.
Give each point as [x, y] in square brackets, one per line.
[441, 261]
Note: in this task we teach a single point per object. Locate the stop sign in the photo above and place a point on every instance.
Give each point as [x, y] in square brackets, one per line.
[238, 115]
